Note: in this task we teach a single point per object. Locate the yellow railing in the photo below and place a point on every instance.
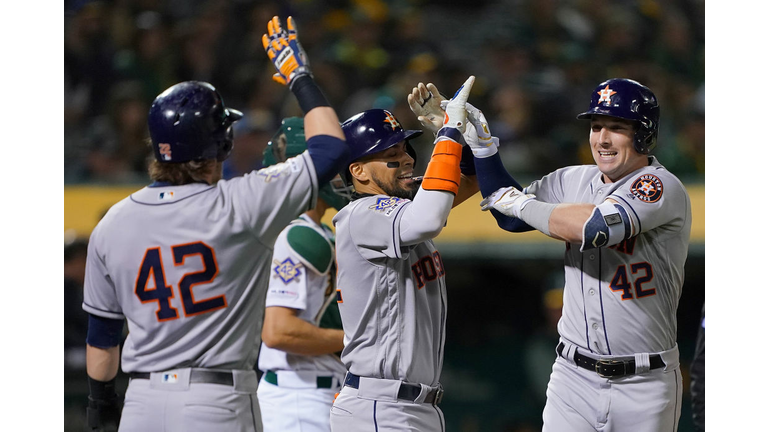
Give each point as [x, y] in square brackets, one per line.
[84, 206]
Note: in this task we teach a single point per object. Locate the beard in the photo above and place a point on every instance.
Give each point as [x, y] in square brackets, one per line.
[393, 188]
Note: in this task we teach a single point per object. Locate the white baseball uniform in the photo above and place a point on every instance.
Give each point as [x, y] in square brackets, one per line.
[620, 303]
[392, 300]
[187, 266]
[296, 392]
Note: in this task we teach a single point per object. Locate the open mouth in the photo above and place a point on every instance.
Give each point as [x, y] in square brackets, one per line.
[607, 154]
[408, 176]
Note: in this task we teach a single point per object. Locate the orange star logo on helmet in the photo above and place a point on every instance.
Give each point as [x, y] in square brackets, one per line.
[392, 120]
[605, 95]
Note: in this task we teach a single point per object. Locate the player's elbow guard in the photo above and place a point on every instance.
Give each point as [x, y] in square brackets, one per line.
[608, 225]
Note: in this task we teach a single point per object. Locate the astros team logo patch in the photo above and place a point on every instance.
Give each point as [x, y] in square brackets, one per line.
[647, 188]
[165, 151]
[287, 270]
[605, 95]
[385, 205]
[391, 120]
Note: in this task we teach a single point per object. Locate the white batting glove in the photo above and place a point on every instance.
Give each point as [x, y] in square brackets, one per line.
[508, 201]
[425, 101]
[455, 109]
[478, 134]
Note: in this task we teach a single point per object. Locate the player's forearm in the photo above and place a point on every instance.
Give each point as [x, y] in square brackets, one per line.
[567, 221]
[468, 187]
[296, 336]
[102, 363]
[425, 217]
[322, 120]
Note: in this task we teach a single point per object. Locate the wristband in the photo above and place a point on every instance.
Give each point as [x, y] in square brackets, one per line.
[308, 93]
[102, 390]
[536, 214]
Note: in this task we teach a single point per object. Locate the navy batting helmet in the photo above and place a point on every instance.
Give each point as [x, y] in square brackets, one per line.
[189, 121]
[290, 141]
[373, 131]
[630, 100]
[370, 132]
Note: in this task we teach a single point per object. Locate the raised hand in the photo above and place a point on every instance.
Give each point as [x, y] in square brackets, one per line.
[425, 101]
[455, 109]
[285, 52]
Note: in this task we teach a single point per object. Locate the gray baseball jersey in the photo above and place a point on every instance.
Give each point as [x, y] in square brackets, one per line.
[302, 277]
[392, 298]
[622, 299]
[187, 266]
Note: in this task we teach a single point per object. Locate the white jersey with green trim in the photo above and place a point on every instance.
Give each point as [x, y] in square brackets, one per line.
[303, 277]
[622, 299]
[188, 266]
[392, 298]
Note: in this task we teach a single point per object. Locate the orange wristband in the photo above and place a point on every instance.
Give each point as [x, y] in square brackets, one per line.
[443, 171]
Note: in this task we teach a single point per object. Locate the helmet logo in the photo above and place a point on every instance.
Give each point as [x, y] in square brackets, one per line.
[605, 95]
[391, 120]
[165, 151]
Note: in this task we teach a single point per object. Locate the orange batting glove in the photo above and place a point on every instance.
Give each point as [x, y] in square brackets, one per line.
[285, 52]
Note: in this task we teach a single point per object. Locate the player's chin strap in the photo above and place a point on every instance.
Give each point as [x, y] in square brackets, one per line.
[607, 225]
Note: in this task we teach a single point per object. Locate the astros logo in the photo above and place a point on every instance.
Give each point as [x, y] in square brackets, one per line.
[392, 120]
[647, 188]
[287, 270]
[605, 95]
[165, 151]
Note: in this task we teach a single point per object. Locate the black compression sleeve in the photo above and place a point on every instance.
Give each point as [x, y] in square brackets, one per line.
[308, 93]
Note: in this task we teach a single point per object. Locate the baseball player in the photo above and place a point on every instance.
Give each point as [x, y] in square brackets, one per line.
[185, 260]
[391, 278]
[301, 371]
[626, 224]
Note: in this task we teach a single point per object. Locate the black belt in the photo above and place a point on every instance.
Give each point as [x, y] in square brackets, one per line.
[407, 391]
[609, 368]
[197, 376]
[322, 381]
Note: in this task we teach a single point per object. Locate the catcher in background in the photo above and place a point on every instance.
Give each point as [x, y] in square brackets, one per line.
[626, 224]
[186, 260]
[302, 328]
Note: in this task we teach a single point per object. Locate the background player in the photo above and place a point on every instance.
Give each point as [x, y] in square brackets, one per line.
[626, 222]
[391, 279]
[185, 260]
[302, 327]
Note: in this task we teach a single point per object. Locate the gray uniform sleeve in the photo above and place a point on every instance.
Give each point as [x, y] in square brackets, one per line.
[268, 199]
[99, 297]
[654, 199]
[425, 217]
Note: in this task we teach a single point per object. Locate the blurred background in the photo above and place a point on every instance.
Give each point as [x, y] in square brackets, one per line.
[536, 63]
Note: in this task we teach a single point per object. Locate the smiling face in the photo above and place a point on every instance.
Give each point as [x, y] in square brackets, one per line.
[611, 140]
[377, 174]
